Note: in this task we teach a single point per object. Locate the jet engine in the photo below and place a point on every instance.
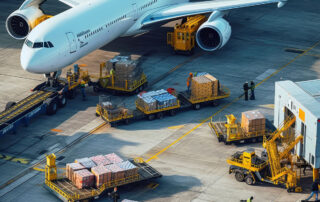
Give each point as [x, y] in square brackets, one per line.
[213, 35]
[21, 22]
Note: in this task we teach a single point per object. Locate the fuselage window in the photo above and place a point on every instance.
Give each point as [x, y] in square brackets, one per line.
[38, 45]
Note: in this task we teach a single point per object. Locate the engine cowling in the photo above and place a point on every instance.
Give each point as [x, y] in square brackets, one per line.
[21, 22]
[213, 35]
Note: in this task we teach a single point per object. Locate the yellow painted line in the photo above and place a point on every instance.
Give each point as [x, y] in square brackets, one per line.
[39, 169]
[56, 130]
[14, 159]
[153, 185]
[233, 101]
[176, 127]
[270, 106]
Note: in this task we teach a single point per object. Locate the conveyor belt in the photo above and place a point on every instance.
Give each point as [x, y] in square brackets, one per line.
[7, 116]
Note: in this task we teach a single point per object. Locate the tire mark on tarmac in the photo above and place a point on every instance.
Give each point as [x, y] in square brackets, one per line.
[232, 102]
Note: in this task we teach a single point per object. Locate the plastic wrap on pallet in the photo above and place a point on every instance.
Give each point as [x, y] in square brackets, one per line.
[117, 172]
[114, 158]
[83, 179]
[127, 200]
[107, 105]
[129, 168]
[100, 160]
[71, 168]
[201, 73]
[102, 175]
[86, 162]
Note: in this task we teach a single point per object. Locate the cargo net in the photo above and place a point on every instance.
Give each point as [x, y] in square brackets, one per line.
[126, 71]
[156, 100]
[96, 171]
[114, 111]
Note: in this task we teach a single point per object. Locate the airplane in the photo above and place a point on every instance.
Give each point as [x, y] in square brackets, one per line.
[88, 25]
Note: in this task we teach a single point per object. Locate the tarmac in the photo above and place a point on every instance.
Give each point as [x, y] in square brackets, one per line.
[263, 47]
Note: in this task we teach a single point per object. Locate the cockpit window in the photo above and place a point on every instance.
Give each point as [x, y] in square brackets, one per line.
[38, 45]
[46, 45]
[50, 44]
[29, 43]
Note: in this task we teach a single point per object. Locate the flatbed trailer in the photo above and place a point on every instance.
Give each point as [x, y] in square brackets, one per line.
[45, 99]
[183, 103]
[66, 191]
[219, 129]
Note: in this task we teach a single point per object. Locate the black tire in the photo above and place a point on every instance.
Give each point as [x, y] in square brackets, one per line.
[52, 106]
[97, 115]
[249, 180]
[9, 105]
[196, 106]
[215, 103]
[71, 94]
[151, 117]
[160, 115]
[62, 100]
[172, 112]
[239, 176]
[96, 88]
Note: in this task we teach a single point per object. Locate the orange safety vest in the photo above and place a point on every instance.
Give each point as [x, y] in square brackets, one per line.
[189, 80]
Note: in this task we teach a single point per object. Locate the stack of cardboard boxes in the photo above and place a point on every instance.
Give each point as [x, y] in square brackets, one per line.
[154, 100]
[99, 170]
[253, 121]
[204, 86]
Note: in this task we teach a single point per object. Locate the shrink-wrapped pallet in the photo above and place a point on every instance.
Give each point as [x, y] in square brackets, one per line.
[117, 172]
[71, 168]
[83, 179]
[102, 175]
[100, 160]
[114, 158]
[253, 121]
[107, 105]
[86, 162]
[129, 168]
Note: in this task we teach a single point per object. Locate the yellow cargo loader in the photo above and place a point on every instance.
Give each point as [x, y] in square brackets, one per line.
[182, 39]
[249, 167]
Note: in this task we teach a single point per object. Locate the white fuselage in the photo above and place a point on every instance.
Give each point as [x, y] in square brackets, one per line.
[81, 30]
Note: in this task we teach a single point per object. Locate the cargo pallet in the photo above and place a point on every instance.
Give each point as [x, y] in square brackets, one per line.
[184, 102]
[66, 191]
[45, 99]
[104, 84]
[220, 130]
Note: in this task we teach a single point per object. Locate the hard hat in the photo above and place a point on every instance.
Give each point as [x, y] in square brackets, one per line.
[190, 74]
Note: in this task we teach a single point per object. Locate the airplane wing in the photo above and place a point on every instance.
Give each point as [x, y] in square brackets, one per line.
[29, 3]
[195, 8]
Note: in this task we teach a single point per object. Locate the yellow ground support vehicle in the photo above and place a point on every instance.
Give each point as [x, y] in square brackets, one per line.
[248, 167]
[63, 188]
[231, 131]
[107, 82]
[182, 39]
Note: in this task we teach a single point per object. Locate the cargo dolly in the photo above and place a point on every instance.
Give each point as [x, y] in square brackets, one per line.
[107, 83]
[184, 102]
[232, 132]
[45, 99]
[64, 189]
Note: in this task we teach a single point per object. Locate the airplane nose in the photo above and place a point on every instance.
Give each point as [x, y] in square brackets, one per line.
[28, 60]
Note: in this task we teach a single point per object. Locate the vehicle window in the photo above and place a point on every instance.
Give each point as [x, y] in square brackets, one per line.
[38, 45]
[50, 44]
[46, 45]
[29, 43]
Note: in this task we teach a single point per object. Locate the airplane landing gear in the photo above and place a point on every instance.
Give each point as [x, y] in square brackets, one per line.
[52, 79]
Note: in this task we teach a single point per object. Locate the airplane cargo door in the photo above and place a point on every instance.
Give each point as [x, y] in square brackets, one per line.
[72, 42]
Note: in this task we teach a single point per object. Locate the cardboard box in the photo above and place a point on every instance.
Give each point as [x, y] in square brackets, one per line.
[252, 121]
[83, 179]
[102, 175]
[71, 168]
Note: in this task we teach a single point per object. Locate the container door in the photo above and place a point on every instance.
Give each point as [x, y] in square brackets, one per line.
[302, 143]
[72, 42]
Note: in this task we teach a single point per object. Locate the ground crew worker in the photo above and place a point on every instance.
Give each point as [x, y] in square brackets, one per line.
[252, 87]
[314, 190]
[189, 81]
[83, 91]
[114, 195]
[250, 199]
[246, 89]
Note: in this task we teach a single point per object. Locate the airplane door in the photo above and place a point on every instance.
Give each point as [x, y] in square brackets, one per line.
[72, 42]
[135, 11]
